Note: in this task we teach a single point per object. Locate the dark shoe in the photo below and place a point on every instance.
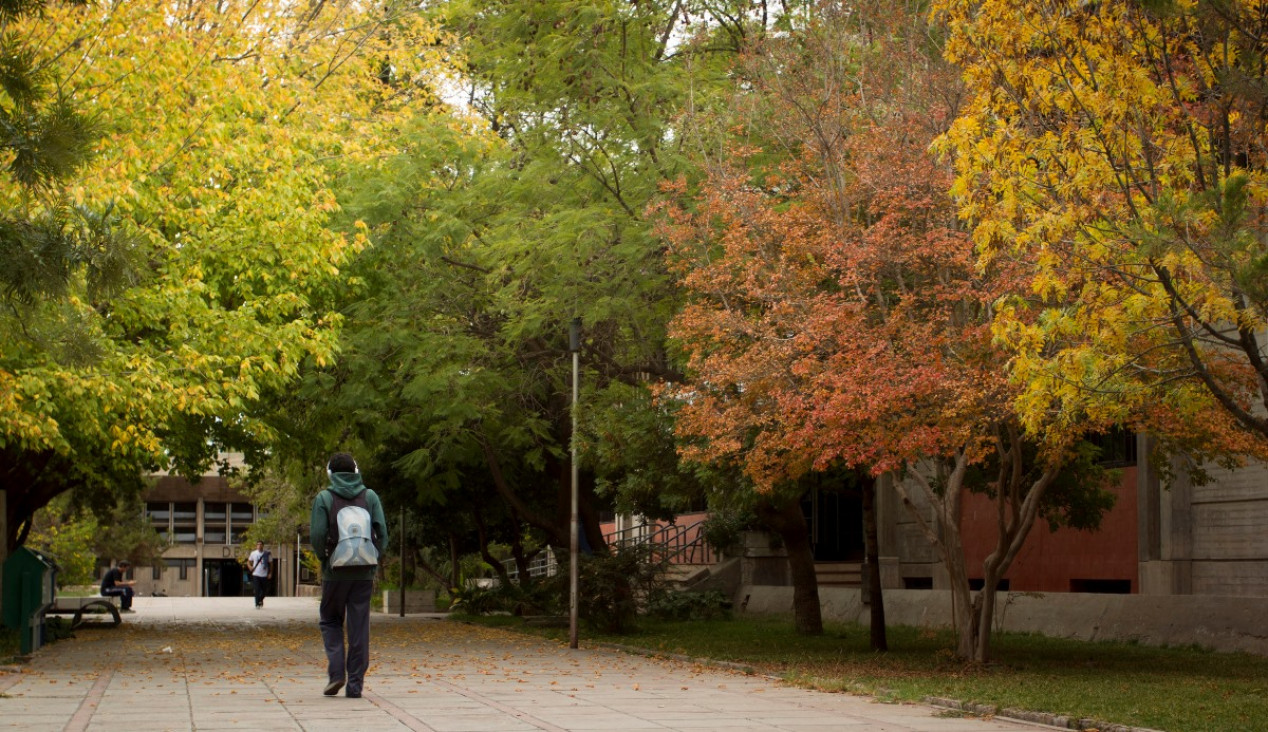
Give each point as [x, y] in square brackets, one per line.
[354, 695]
[333, 687]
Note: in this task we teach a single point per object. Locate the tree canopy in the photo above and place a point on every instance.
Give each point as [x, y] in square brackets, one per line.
[837, 315]
[456, 372]
[218, 132]
[1118, 148]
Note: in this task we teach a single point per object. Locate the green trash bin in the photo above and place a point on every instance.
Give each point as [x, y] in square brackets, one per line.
[29, 589]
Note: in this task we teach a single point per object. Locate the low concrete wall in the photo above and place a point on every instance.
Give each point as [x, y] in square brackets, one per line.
[416, 601]
[1220, 623]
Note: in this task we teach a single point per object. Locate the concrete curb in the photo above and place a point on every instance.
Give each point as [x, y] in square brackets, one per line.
[1059, 721]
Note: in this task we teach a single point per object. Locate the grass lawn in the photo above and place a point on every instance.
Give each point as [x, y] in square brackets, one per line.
[1171, 689]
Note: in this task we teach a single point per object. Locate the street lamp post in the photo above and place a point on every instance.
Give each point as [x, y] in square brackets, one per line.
[574, 345]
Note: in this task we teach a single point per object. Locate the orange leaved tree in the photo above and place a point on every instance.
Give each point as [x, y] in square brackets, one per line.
[836, 315]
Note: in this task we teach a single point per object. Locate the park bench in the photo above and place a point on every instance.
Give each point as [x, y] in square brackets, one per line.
[85, 608]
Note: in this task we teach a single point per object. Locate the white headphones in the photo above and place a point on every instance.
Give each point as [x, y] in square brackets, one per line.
[355, 469]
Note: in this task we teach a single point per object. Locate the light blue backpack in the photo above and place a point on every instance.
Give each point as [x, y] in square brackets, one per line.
[352, 533]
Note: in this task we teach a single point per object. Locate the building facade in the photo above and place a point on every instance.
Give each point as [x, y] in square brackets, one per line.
[204, 524]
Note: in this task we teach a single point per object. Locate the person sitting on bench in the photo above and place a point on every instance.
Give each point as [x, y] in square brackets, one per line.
[114, 584]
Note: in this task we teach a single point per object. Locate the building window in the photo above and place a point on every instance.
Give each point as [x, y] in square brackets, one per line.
[185, 522]
[1102, 586]
[182, 566]
[160, 515]
[215, 523]
[1118, 447]
[917, 583]
[241, 516]
[977, 583]
[156, 572]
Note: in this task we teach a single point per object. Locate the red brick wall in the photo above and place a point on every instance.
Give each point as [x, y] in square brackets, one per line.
[1049, 561]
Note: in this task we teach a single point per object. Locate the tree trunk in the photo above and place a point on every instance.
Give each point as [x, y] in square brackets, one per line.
[588, 515]
[504, 577]
[4, 539]
[985, 607]
[523, 560]
[872, 553]
[1018, 502]
[455, 565]
[783, 515]
[965, 610]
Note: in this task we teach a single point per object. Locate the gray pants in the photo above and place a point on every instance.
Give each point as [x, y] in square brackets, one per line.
[346, 604]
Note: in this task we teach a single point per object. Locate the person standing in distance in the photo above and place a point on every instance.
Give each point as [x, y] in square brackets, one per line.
[345, 590]
[261, 565]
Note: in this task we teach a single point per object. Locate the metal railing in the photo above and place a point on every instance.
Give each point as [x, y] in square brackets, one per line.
[671, 543]
[543, 564]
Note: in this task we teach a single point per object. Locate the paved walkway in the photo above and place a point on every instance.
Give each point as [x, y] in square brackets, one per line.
[201, 664]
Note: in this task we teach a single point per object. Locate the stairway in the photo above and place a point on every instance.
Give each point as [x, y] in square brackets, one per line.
[839, 574]
[686, 576]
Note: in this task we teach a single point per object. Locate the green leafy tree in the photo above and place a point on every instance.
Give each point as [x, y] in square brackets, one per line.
[455, 372]
[72, 534]
[66, 535]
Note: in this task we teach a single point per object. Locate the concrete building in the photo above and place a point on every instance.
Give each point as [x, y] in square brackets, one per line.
[1161, 538]
[1174, 562]
[204, 523]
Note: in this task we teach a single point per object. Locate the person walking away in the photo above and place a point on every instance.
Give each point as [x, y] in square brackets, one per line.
[113, 584]
[348, 532]
[260, 562]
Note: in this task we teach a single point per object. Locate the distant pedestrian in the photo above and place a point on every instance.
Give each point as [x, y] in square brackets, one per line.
[113, 584]
[348, 532]
[261, 565]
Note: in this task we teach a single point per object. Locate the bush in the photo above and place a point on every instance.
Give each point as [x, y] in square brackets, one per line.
[614, 590]
[711, 605]
[723, 529]
[614, 586]
[539, 597]
[476, 600]
[56, 628]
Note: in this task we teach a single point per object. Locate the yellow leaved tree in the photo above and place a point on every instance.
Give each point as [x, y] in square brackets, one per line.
[1118, 147]
[200, 250]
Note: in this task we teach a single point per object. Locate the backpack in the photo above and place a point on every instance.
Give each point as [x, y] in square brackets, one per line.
[351, 534]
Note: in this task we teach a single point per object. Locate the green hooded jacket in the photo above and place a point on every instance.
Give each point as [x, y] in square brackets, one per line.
[348, 485]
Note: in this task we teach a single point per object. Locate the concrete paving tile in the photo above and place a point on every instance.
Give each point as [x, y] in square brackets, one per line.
[127, 722]
[247, 726]
[715, 728]
[608, 721]
[836, 726]
[695, 723]
[678, 711]
[385, 725]
[33, 724]
[37, 716]
[476, 723]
